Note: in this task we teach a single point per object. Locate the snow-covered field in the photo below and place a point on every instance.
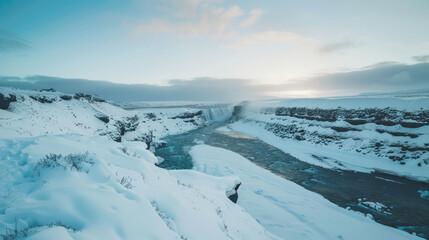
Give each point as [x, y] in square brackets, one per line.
[285, 208]
[361, 134]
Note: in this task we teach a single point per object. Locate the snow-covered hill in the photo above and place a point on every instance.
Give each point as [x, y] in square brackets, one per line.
[363, 134]
[34, 113]
[76, 167]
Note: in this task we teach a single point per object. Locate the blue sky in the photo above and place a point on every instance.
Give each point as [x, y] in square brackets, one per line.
[153, 42]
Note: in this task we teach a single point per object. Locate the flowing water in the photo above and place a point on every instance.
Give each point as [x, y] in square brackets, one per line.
[404, 207]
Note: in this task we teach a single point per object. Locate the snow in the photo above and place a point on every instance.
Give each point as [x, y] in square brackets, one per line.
[53, 233]
[283, 207]
[158, 205]
[63, 176]
[223, 129]
[424, 194]
[380, 207]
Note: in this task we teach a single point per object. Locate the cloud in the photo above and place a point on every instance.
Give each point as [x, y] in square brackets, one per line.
[338, 46]
[200, 89]
[10, 42]
[214, 21]
[188, 8]
[255, 14]
[421, 58]
[382, 64]
[268, 37]
[381, 77]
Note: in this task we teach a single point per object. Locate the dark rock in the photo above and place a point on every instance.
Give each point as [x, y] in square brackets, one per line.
[385, 117]
[234, 197]
[103, 118]
[344, 129]
[66, 97]
[88, 97]
[151, 115]
[129, 124]
[412, 124]
[5, 101]
[299, 138]
[356, 121]
[413, 149]
[398, 134]
[97, 99]
[396, 158]
[188, 115]
[386, 123]
[47, 90]
[239, 108]
[43, 99]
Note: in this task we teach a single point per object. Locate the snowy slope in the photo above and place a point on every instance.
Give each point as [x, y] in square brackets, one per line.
[67, 114]
[110, 193]
[285, 208]
[363, 134]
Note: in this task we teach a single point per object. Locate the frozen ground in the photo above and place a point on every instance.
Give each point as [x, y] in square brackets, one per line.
[285, 208]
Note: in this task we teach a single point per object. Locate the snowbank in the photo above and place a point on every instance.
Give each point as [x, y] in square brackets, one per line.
[286, 209]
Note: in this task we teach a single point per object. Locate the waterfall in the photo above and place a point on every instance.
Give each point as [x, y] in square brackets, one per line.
[218, 114]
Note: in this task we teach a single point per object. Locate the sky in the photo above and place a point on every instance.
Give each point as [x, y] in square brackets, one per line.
[276, 48]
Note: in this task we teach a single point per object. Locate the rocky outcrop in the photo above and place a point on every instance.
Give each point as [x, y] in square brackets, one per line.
[233, 194]
[66, 97]
[5, 101]
[102, 117]
[188, 115]
[239, 108]
[43, 99]
[384, 117]
[48, 90]
[129, 124]
[90, 98]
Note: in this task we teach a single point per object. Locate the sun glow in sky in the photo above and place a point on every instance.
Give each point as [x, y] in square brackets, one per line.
[153, 42]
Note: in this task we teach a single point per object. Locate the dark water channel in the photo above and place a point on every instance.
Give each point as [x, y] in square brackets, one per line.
[405, 209]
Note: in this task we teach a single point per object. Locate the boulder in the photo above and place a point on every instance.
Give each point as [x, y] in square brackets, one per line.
[5, 101]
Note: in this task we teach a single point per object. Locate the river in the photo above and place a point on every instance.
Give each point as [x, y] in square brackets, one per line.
[405, 209]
